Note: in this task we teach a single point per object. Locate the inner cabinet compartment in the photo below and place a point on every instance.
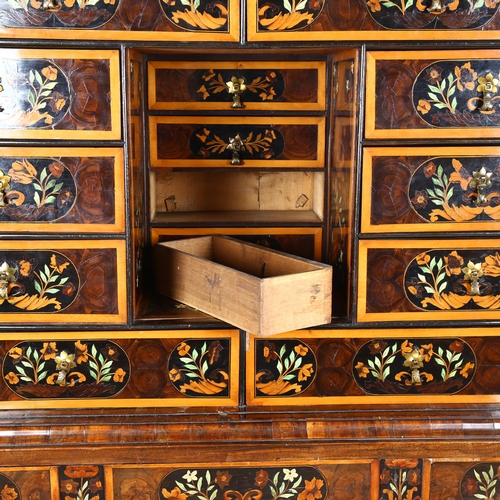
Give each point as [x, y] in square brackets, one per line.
[250, 147]
[237, 197]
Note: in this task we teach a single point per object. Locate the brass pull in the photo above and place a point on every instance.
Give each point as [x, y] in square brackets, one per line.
[236, 86]
[1, 90]
[413, 360]
[4, 187]
[481, 180]
[50, 5]
[64, 363]
[472, 273]
[7, 275]
[236, 145]
[487, 86]
[436, 7]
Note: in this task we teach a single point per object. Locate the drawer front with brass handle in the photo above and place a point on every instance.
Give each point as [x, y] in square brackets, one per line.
[428, 280]
[119, 369]
[433, 95]
[223, 142]
[61, 189]
[54, 282]
[429, 189]
[59, 94]
[374, 366]
[236, 85]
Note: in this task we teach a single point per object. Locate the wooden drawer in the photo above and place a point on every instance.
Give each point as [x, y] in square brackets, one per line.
[117, 20]
[56, 281]
[237, 198]
[430, 189]
[62, 190]
[428, 280]
[268, 86]
[60, 94]
[186, 141]
[300, 241]
[253, 288]
[432, 95]
[371, 367]
[120, 369]
[368, 20]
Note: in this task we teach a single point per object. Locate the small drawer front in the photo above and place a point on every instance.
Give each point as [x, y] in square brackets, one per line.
[299, 241]
[55, 282]
[154, 368]
[368, 20]
[62, 190]
[369, 367]
[153, 20]
[433, 95]
[241, 142]
[59, 94]
[237, 86]
[428, 280]
[430, 189]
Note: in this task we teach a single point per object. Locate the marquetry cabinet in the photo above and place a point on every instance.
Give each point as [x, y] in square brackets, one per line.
[362, 134]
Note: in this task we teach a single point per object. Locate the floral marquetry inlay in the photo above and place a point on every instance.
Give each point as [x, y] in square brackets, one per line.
[431, 14]
[401, 479]
[451, 279]
[66, 369]
[197, 14]
[458, 93]
[481, 482]
[447, 189]
[78, 482]
[201, 368]
[36, 93]
[263, 483]
[437, 366]
[284, 367]
[57, 13]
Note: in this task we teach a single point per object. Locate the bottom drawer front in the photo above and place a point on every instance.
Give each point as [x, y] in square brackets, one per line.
[332, 367]
[54, 282]
[409, 280]
[120, 369]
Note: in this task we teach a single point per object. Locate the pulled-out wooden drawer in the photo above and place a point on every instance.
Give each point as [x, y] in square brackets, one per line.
[54, 282]
[62, 190]
[185, 141]
[253, 288]
[120, 369]
[429, 280]
[430, 189]
[300, 241]
[60, 94]
[148, 20]
[263, 85]
[360, 367]
[433, 94]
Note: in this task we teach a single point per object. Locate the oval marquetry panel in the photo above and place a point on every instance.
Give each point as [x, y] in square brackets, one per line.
[66, 369]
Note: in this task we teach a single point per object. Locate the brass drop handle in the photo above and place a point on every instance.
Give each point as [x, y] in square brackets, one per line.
[236, 86]
[472, 273]
[481, 181]
[436, 7]
[4, 187]
[50, 5]
[414, 361]
[487, 86]
[236, 145]
[7, 275]
[64, 363]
